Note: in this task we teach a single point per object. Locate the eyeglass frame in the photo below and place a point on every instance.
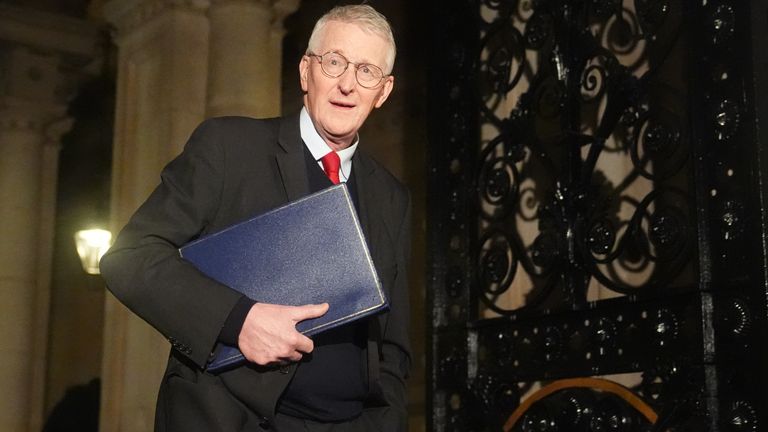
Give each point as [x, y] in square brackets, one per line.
[356, 65]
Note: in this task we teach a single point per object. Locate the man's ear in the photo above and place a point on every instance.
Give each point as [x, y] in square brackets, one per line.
[303, 71]
[386, 89]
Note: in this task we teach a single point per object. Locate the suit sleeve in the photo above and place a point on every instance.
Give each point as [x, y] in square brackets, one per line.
[143, 268]
[396, 359]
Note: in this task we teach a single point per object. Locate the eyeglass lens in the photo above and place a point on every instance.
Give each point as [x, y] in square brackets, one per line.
[335, 64]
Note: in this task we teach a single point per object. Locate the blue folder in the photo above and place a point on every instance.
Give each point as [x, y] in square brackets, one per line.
[308, 251]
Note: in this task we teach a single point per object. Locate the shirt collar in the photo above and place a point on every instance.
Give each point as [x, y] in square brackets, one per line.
[318, 148]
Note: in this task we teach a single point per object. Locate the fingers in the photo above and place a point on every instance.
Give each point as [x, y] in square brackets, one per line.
[305, 312]
[269, 334]
[305, 345]
[294, 357]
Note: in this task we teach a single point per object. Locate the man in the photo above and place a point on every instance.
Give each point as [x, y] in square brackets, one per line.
[347, 379]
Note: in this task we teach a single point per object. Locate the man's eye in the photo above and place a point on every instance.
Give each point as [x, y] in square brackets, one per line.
[334, 62]
[366, 70]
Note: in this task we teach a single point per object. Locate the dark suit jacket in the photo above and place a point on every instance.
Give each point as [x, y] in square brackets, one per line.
[233, 168]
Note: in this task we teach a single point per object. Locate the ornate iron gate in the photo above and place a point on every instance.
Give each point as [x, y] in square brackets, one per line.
[596, 216]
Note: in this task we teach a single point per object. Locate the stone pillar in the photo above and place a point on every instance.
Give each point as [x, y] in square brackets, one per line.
[166, 86]
[161, 87]
[40, 58]
[49, 170]
[22, 142]
[246, 56]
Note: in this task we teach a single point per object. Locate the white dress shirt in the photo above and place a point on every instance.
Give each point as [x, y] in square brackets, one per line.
[319, 148]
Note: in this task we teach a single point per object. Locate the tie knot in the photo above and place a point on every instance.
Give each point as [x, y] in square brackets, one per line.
[331, 163]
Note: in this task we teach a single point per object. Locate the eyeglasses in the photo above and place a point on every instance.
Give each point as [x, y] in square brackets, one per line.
[335, 64]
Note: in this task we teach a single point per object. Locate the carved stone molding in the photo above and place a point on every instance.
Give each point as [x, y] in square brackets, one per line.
[43, 59]
[278, 9]
[127, 15]
[48, 32]
[265, 3]
[56, 129]
[20, 114]
[32, 75]
[282, 8]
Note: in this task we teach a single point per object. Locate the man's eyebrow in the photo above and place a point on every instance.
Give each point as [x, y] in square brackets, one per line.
[340, 51]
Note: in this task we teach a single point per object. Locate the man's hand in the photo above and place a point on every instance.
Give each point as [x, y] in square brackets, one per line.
[269, 333]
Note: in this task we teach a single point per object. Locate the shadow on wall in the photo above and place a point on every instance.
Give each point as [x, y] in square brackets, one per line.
[78, 410]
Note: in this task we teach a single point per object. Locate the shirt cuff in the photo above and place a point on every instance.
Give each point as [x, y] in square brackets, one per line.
[230, 332]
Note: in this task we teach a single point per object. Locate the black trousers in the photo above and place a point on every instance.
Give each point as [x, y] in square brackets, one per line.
[284, 423]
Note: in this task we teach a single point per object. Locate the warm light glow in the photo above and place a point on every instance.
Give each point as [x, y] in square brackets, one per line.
[91, 245]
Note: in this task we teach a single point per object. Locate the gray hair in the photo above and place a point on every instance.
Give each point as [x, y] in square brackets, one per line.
[364, 16]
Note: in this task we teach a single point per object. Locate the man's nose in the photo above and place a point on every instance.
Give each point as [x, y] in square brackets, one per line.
[347, 80]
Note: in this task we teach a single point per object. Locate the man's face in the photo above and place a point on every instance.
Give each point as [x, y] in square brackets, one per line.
[339, 106]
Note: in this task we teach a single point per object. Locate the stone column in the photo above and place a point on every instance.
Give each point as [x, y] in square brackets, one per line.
[22, 141]
[40, 58]
[166, 86]
[49, 170]
[161, 87]
[246, 56]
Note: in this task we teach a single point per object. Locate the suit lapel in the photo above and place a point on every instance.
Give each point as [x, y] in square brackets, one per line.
[363, 178]
[293, 169]
[371, 198]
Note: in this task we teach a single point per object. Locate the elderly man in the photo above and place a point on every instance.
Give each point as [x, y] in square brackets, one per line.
[347, 379]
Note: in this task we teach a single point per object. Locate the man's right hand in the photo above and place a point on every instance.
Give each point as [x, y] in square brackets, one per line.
[269, 334]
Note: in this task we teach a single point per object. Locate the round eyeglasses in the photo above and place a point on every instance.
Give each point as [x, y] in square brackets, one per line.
[335, 64]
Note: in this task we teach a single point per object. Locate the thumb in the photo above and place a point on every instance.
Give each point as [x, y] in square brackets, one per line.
[310, 311]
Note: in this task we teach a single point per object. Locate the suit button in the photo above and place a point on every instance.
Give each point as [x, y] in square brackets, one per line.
[284, 369]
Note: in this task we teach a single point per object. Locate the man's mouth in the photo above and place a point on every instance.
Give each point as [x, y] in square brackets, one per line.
[341, 104]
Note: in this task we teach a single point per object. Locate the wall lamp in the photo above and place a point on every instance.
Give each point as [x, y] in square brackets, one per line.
[91, 245]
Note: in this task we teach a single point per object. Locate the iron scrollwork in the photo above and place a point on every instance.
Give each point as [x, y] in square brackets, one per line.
[594, 195]
[544, 201]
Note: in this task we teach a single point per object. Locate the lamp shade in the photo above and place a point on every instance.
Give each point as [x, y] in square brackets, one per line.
[91, 245]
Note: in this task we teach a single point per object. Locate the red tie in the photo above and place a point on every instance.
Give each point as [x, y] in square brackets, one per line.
[331, 164]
